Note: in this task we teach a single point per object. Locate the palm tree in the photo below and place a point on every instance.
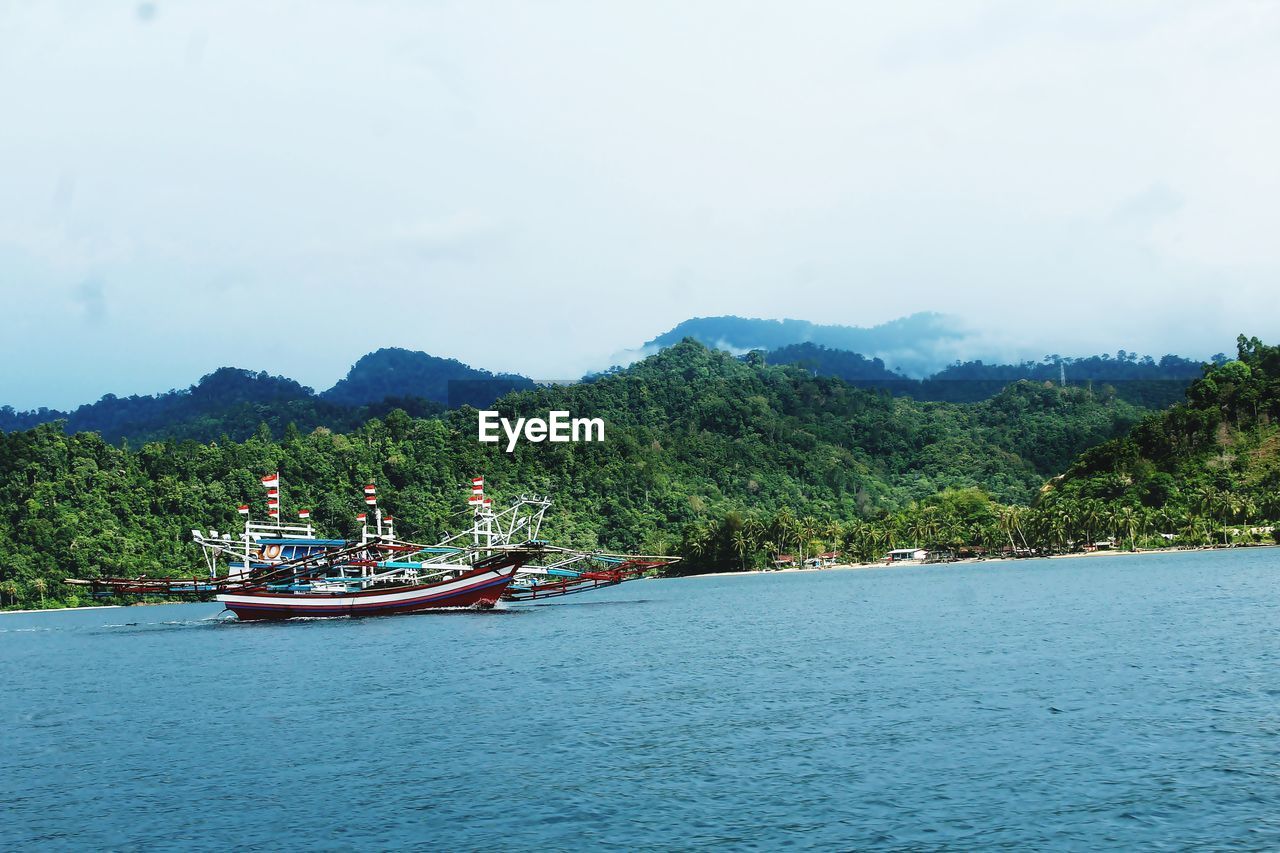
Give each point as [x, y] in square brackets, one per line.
[697, 541]
[1011, 525]
[42, 586]
[806, 529]
[922, 527]
[1093, 516]
[741, 547]
[834, 534]
[1126, 521]
[1209, 501]
[1192, 530]
[1056, 525]
[770, 547]
[784, 527]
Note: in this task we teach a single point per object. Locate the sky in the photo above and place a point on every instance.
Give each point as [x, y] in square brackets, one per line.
[541, 186]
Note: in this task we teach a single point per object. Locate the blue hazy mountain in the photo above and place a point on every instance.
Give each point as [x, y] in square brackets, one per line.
[914, 345]
[1140, 380]
[234, 402]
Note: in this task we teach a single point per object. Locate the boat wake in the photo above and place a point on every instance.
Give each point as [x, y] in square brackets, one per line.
[162, 625]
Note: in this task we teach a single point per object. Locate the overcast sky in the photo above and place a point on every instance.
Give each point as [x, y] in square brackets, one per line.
[538, 186]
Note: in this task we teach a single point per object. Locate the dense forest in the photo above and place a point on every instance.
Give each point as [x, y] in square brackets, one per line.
[1205, 471]
[232, 402]
[695, 439]
[1205, 465]
[726, 461]
[1139, 380]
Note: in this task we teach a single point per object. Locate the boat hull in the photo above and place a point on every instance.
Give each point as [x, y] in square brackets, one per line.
[478, 589]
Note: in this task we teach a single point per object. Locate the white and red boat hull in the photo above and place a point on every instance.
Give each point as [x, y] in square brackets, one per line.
[479, 588]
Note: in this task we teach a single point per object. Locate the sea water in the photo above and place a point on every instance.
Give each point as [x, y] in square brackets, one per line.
[1126, 701]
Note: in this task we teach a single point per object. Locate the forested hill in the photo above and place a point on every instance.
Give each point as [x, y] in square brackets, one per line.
[1140, 380]
[397, 373]
[1210, 461]
[233, 402]
[692, 434]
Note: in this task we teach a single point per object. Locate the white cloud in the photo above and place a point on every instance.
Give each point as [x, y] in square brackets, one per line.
[537, 186]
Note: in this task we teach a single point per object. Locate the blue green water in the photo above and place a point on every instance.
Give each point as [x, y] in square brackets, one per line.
[1115, 702]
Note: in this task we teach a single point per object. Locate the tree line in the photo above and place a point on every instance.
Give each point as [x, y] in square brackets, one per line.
[725, 462]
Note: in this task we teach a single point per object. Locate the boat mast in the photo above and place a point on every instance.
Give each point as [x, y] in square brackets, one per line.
[371, 500]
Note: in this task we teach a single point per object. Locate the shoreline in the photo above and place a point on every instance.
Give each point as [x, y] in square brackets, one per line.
[64, 609]
[970, 561]
[841, 567]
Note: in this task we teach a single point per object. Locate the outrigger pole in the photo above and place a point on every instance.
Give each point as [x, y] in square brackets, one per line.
[364, 555]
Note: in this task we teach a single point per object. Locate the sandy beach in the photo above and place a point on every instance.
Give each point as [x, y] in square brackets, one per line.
[61, 609]
[970, 561]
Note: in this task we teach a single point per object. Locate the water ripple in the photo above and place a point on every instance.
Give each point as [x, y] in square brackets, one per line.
[1077, 704]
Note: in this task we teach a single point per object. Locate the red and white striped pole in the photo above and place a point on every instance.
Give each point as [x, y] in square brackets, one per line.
[371, 499]
[477, 501]
[271, 483]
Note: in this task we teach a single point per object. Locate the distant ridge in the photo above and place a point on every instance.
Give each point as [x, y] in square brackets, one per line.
[911, 356]
[396, 372]
[915, 345]
[234, 402]
[1140, 380]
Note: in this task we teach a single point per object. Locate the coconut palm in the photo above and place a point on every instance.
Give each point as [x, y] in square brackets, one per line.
[741, 546]
[806, 528]
[1126, 521]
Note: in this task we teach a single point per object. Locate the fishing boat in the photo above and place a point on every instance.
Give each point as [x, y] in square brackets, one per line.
[384, 594]
[281, 571]
[284, 571]
[381, 574]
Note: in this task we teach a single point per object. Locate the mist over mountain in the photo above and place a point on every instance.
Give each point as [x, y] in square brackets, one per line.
[1141, 380]
[915, 345]
[234, 402]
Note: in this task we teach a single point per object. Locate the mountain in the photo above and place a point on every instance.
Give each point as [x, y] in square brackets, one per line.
[228, 402]
[1142, 381]
[693, 437]
[394, 372]
[918, 344]
[235, 402]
